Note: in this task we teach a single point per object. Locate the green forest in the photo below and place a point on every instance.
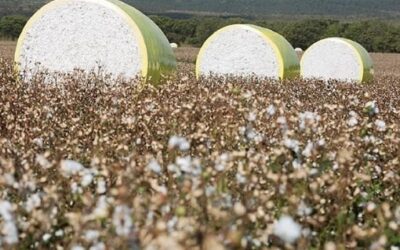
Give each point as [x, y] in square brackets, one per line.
[376, 36]
[387, 9]
[263, 8]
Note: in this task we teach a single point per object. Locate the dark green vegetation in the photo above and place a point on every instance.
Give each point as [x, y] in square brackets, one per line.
[11, 26]
[376, 36]
[24, 7]
[347, 8]
[290, 8]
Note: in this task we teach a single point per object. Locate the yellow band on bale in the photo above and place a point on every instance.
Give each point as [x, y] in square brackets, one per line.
[247, 50]
[108, 32]
[337, 59]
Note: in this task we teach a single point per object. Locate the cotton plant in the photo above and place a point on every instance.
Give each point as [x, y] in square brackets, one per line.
[8, 227]
[134, 166]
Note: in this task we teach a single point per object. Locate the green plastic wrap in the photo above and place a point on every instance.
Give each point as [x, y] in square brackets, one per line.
[365, 61]
[157, 57]
[289, 66]
[160, 57]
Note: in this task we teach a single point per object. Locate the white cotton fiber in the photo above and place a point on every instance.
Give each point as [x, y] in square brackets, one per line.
[287, 229]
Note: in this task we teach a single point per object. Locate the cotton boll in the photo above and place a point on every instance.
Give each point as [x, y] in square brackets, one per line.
[101, 186]
[46, 237]
[38, 142]
[59, 233]
[380, 125]
[101, 209]
[179, 142]
[184, 163]
[352, 122]
[303, 209]
[69, 167]
[154, 166]
[87, 179]
[75, 188]
[98, 246]
[292, 144]
[299, 50]
[42, 161]
[188, 165]
[33, 201]
[307, 152]
[91, 235]
[221, 162]
[287, 229]
[308, 120]
[241, 178]
[9, 232]
[77, 247]
[252, 117]
[122, 220]
[371, 108]
[271, 110]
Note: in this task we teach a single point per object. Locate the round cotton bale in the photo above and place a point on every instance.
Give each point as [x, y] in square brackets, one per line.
[89, 35]
[243, 50]
[337, 59]
[174, 45]
[298, 50]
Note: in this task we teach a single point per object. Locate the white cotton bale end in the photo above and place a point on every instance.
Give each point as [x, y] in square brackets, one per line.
[174, 45]
[337, 59]
[243, 50]
[89, 35]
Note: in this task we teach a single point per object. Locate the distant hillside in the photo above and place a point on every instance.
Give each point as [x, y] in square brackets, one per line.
[259, 8]
[262, 8]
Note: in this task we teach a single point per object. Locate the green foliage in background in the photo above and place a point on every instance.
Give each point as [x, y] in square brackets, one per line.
[349, 9]
[374, 35]
[11, 26]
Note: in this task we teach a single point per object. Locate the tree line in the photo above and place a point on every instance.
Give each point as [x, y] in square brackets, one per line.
[374, 35]
[349, 9]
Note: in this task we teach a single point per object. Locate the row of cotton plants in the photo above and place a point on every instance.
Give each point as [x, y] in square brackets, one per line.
[198, 165]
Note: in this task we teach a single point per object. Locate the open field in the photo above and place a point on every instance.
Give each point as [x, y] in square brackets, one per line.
[7, 49]
[200, 164]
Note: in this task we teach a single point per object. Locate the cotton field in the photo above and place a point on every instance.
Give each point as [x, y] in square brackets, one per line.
[199, 164]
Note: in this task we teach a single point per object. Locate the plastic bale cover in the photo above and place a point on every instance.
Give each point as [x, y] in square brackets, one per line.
[247, 50]
[65, 35]
[337, 59]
